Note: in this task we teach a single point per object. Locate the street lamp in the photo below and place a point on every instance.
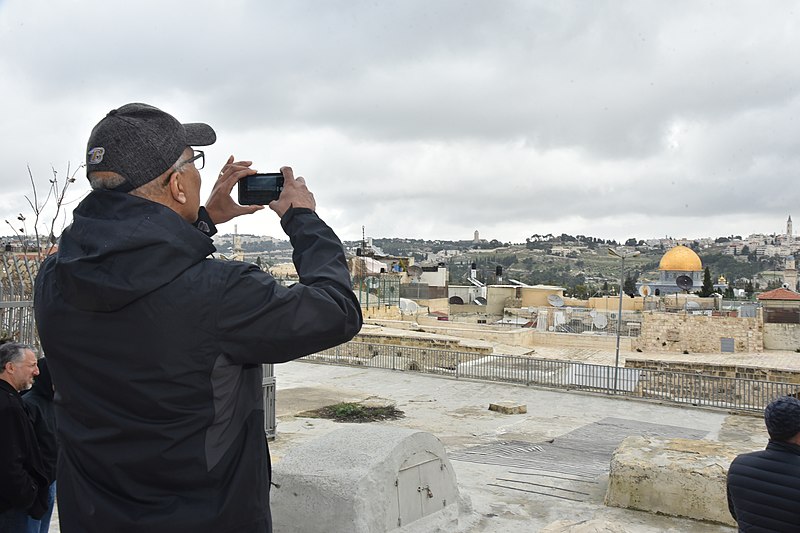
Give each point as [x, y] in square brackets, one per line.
[622, 257]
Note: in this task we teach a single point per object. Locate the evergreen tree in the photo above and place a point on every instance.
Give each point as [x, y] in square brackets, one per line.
[729, 294]
[629, 286]
[708, 285]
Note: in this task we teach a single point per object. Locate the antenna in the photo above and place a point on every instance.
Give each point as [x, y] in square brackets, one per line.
[645, 290]
[408, 306]
[363, 239]
[480, 300]
[600, 321]
[555, 300]
[415, 272]
[684, 282]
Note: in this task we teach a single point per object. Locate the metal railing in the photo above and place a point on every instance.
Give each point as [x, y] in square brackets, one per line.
[17, 273]
[736, 394]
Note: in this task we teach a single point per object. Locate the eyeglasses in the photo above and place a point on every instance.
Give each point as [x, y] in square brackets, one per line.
[199, 160]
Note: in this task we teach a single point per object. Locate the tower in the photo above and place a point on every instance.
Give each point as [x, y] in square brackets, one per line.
[238, 251]
[790, 273]
[789, 235]
[477, 237]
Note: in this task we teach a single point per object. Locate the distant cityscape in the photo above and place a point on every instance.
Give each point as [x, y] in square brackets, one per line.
[578, 263]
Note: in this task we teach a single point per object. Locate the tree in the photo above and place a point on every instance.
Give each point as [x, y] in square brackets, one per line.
[708, 286]
[629, 286]
[729, 294]
[748, 289]
[44, 241]
[631, 242]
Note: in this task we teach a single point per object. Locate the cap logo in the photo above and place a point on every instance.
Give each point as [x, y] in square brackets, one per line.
[96, 155]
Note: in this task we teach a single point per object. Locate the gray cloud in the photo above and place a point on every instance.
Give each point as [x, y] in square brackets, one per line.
[433, 119]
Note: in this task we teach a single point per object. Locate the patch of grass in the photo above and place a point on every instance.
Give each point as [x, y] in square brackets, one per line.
[355, 412]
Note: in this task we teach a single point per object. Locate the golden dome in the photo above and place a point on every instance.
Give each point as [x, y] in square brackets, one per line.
[681, 259]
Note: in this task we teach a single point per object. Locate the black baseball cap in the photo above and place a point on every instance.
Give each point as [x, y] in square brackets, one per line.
[140, 142]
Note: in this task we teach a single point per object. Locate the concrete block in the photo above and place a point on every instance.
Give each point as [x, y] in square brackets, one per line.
[676, 477]
[365, 478]
[509, 408]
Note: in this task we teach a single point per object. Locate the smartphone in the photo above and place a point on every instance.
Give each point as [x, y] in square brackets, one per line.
[260, 189]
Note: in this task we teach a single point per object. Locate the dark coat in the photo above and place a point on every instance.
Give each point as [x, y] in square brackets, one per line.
[156, 352]
[24, 483]
[39, 403]
[764, 489]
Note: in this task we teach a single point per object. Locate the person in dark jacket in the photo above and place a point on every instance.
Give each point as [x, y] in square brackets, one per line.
[764, 486]
[23, 489]
[39, 403]
[156, 349]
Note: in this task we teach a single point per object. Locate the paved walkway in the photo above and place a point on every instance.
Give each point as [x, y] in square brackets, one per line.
[456, 412]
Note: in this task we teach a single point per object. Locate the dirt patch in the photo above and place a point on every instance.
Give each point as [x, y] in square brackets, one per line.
[355, 412]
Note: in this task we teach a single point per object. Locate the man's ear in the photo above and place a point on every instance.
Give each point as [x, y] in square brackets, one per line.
[176, 187]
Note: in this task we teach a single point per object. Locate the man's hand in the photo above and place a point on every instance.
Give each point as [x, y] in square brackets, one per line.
[220, 205]
[294, 194]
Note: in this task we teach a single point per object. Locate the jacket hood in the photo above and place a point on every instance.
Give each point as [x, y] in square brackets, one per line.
[43, 384]
[121, 247]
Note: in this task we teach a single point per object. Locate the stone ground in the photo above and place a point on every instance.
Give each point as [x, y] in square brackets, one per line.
[502, 498]
[523, 493]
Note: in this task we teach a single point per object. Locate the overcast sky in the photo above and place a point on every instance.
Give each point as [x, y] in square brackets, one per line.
[431, 119]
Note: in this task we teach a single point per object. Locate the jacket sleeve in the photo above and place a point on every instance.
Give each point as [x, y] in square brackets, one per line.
[261, 321]
[18, 489]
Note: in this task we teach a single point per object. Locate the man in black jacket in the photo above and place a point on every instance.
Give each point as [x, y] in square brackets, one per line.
[39, 403]
[23, 490]
[156, 350]
[764, 486]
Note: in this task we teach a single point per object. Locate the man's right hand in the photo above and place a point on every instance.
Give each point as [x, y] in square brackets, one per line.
[295, 194]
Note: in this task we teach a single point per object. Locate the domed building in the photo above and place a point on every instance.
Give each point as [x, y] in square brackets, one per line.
[679, 261]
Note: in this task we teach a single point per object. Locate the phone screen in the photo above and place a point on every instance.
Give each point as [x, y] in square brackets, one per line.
[260, 189]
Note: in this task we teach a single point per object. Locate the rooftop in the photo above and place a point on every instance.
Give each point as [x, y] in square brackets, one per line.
[529, 491]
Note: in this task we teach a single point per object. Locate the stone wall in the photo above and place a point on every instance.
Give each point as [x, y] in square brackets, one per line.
[781, 336]
[710, 369]
[421, 342]
[525, 337]
[687, 333]
[381, 311]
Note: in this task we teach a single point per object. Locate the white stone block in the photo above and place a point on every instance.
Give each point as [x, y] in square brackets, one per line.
[677, 477]
[363, 479]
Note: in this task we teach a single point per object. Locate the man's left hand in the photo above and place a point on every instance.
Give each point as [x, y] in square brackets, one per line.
[220, 204]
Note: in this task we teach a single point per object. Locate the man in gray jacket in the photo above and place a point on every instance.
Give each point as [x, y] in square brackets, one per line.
[156, 349]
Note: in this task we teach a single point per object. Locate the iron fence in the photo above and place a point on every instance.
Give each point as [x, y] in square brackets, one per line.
[17, 272]
[378, 291]
[728, 393]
